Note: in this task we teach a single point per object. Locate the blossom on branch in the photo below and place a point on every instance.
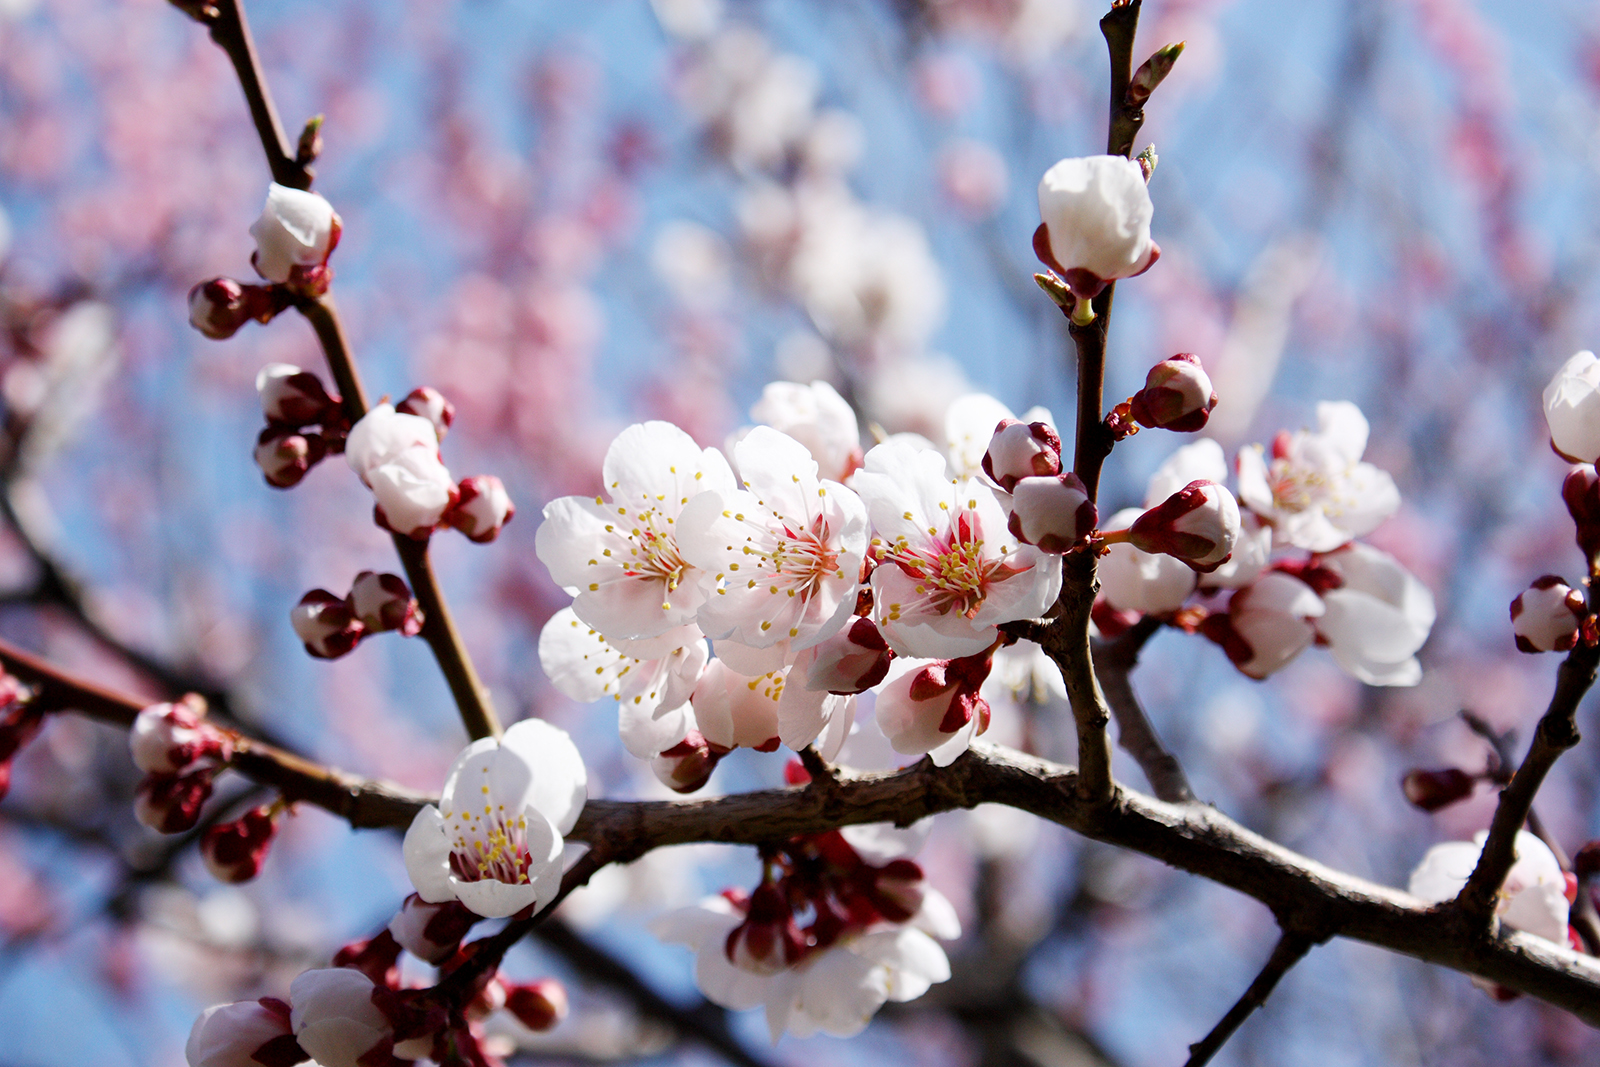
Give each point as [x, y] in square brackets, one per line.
[397, 457]
[1021, 450]
[250, 1033]
[494, 840]
[335, 1018]
[295, 234]
[1545, 617]
[934, 706]
[1376, 617]
[234, 851]
[1096, 227]
[294, 397]
[1572, 408]
[819, 418]
[1198, 524]
[1533, 898]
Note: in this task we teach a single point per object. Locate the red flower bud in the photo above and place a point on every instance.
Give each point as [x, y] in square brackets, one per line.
[234, 851]
[1177, 396]
[1432, 790]
[538, 1005]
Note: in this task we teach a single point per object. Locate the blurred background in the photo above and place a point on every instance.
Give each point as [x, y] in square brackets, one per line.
[568, 217]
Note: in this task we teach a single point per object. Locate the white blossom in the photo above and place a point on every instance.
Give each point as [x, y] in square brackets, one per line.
[1096, 213]
[334, 1018]
[1533, 898]
[1270, 622]
[297, 228]
[1376, 620]
[228, 1035]
[819, 418]
[618, 553]
[494, 840]
[1316, 492]
[397, 457]
[1572, 408]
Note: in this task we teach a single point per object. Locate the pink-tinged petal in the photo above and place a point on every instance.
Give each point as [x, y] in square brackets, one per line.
[427, 856]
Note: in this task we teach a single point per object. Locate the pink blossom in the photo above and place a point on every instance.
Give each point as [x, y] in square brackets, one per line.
[851, 661]
[1022, 450]
[483, 508]
[219, 307]
[687, 765]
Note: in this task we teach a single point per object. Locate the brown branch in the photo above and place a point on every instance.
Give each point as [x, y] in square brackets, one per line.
[1114, 662]
[1557, 731]
[1119, 26]
[1290, 950]
[231, 30]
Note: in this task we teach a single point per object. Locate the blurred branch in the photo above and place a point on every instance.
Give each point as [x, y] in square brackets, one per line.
[1557, 731]
[231, 31]
[1114, 662]
[1290, 950]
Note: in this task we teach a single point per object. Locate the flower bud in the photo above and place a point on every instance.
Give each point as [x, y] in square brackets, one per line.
[431, 932]
[1267, 623]
[1586, 861]
[376, 957]
[334, 1017]
[1198, 524]
[851, 661]
[430, 404]
[1053, 513]
[326, 624]
[1177, 396]
[171, 803]
[167, 738]
[1581, 492]
[538, 1005]
[293, 397]
[234, 851]
[1572, 408]
[219, 307]
[687, 766]
[768, 941]
[1432, 790]
[1545, 617]
[1096, 227]
[295, 234]
[383, 602]
[482, 509]
[1022, 450]
[251, 1033]
[285, 456]
[897, 890]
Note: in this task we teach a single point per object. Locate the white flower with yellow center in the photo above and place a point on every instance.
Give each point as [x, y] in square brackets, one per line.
[494, 840]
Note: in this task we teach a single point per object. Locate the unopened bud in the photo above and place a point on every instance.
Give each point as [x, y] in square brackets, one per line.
[1052, 513]
[1432, 790]
[251, 1033]
[377, 957]
[168, 738]
[1581, 492]
[1198, 524]
[538, 1005]
[217, 308]
[898, 890]
[1022, 450]
[326, 624]
[1586, 862]
[1151, 73]
[687, 766]
[234, 851]
[1545, 617]
[484, 507]
[383, 602]
[171, 803]
[293, 397]
[285, 456]
[431, 932]
[1177, 396]
[851, 661]
[429, 403]
[768, 941]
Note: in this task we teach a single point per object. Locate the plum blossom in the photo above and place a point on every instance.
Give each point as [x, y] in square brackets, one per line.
[948, 570]
[291, 396]
[620, 557]
[851, 661]
[530, 786]
[1021, 450]
[1268, 623]
[1177, 396]
[250, 1033]
[334, 1017]
[397, 457]
[934, 706]
[1376, 618]
[1053, 513]
[819, 418]
[1546, 616]
[1316, 493]
[1533, 898]
[430, 404]
[784, 553]
[285, 455]
[1096, 227]
[651, 687]
[1145, 582]
[172, 738]
[1198, 524]
[760, 711]
[220, 306]
[297, 229]
[1572, 408]
[483, 510]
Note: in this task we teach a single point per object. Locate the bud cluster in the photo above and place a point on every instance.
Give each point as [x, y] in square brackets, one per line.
[180, 754]
[330, 626]
[305, 423]
[234, 851]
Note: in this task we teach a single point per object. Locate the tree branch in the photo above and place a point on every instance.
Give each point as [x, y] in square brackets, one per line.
[1557, 731]
[1114, 662]
[231, 31]
[1290, 950]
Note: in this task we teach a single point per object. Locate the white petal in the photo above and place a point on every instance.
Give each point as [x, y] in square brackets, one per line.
[560, 781]
[427, 856]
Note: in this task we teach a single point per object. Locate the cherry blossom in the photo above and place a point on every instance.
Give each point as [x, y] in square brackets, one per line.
[1267, 624]
[530, 785]
[620, 557]
[1533, 898]
[785, 552]
[286, 455]
[334, 1017]
[1376, 618]
[1022, 450]
[1572, 408]
[948, 569]
[297, 229]
[1545, 617]
[292, 397]
[652, 694]
[819, 418]
[430, 404]
[1316, 492]
[250, 1033]
[1198, 524]
[1096, 227]
[397, 457]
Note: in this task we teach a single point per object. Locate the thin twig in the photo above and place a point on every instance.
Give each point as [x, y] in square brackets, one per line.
[1557, 731]
[1114, 662]
[1290, 950]
[231, 30]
